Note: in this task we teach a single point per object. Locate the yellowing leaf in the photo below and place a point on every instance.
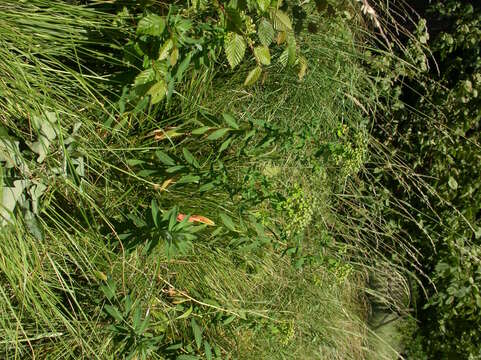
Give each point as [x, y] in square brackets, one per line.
[164, 50]
[302, 67]
[253, 76]
[263, 55]
[281, 20]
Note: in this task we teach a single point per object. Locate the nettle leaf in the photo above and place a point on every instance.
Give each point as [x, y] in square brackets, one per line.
[234, 47]
[265, 32]
[263, 55]
[282, 22]
[165, 49]
[151, 25]
[253, 76]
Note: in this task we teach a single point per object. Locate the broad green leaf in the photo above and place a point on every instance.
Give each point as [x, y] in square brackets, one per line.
[265, 32]
[253, 76]
[164, 158]
[157, 92]
[113, 311]
[183, 66]
[165, 49]
[229, 119]
[282, 22]
[197, 333]
[263, 4]
[151, 25]
[218, 134]
[174, 56]
[227, 220]
[234, 47]
[263, 55]
[144, 77]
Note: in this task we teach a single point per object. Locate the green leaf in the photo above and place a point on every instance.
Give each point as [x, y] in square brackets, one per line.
[234, 47]
[229, 320]
[165, 49]
[186, 314]
[263, 4]
[197, 333]
[155, 212]
[164, 158]
[227, 220]
[225, 145]
[253, 76]
[263, 55]
[218, 134]
[207, 351]
[187, 357]
[291, 49]
[200, 131]
[183, 66]
[151, 25]
[188, 179]
[188, 156]
[453, 184]
[113, 311]
[157, 92]
[229, 119]
[282, 22]
[265, 32]
[144, 77]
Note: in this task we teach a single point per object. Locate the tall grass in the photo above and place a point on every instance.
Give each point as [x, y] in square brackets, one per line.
[295, 293]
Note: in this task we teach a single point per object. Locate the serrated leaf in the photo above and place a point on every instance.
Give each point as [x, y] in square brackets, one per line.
[229, 119]
[263, 4]
[282, 22]
[227, 220]
[265, 32]
[144, 77]
[207, 351]
[263, 55]
[151, 25]
[284, 57]
[218, 134]
[174, 56]
[253, 76]
[157, 92]
[197, 333]
[302, 68]
[113, 311]
[164, 158]
[165, 49]
[234, 47]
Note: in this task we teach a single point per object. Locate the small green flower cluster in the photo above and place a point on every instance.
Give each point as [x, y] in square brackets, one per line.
[299, 209]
